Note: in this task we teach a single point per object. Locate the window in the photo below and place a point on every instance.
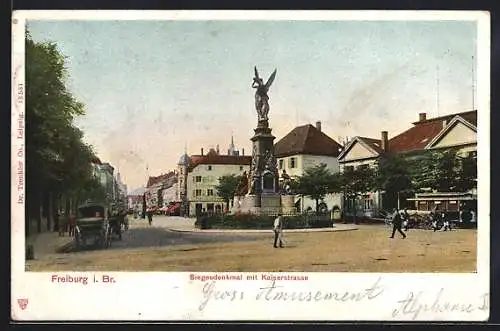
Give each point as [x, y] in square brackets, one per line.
[197, 192]
[348, 168]
[363, 166]
[210, 192]
[292, 163]
[209, 167]
[368, 203]
[241, 168]
[350, 204]
[197, 179]
[281, 164]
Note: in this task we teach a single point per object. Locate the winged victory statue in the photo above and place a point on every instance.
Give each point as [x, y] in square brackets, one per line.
[261, 97]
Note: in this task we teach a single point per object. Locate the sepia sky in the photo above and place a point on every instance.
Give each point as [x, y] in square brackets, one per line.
[153, 87]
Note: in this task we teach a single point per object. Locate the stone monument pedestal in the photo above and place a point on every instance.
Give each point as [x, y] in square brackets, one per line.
[288, 204]
[246, 204]
[270, 204]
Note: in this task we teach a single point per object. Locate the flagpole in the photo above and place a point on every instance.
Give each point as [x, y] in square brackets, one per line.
[473, 85]
[437, 89]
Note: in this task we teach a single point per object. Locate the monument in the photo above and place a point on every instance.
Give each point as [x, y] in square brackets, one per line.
[262, 183]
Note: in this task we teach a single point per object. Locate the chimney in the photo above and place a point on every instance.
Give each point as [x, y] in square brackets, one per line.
[202, 151]
[422, 117]
[384, 141]
[217, 149]
[318, 125]
[243, 151]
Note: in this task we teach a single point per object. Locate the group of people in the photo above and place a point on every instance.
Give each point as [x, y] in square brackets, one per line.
[439, 221]
[66, 225]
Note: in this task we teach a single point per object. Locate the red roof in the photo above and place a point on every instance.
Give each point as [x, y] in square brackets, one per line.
[212, 158]
[417, 137]
[306, 139]
[154, 180]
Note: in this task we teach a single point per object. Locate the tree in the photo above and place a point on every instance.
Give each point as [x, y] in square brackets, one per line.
[393, 177]
[93, 190]
[467, 173]
[316, 183]
[436, 170]
[355, 182]
[58, 162]
[226, 188]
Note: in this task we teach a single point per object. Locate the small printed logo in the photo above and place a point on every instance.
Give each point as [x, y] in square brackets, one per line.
[23, 303]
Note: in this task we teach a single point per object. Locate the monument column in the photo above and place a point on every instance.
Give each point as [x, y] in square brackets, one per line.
[263, 177]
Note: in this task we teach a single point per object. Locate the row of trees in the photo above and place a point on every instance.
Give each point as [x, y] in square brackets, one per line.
[442, 171]
[58, 161]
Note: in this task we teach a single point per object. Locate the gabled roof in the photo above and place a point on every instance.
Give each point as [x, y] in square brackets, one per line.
[470, 116]
[372, 144]
[215, 159]
[306, 139]
[457, 119]
[423, 132]
[155, 180]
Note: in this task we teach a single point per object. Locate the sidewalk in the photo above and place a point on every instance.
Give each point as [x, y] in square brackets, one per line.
[335, 228]
[48, 243]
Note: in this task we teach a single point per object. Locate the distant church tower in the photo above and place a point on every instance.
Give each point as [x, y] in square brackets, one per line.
[232, 150]
[182, 169]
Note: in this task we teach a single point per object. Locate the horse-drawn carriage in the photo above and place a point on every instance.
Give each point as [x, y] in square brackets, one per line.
[99, 223]
[92, 224]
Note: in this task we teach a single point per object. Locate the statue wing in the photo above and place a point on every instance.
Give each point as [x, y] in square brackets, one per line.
[256, 72]
[271, 79]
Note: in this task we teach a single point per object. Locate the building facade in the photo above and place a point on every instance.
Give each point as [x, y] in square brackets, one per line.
[203, 177]
[455, 131]
[306, 147]
[155, 187]
[135, 199]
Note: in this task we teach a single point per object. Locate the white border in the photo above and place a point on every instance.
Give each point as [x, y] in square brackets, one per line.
[172, 296]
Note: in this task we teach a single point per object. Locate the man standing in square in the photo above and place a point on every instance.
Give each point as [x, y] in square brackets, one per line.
[278, 231]
[397, 221]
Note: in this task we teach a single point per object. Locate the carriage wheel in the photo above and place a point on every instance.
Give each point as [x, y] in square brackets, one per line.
[78, 237]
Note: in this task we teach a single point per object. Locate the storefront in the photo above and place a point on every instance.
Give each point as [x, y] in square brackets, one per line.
[452, 202]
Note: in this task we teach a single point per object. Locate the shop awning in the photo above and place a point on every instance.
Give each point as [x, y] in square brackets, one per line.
[441, 199]
[173, 207]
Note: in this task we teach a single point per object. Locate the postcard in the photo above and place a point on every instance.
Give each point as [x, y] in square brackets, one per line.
[250, 165]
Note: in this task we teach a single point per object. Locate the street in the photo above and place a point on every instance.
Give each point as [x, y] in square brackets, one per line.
[367, 249]
[140, 234]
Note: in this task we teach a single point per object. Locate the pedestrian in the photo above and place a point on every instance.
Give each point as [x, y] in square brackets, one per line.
[406, 220]
[434, 222]
[63, 226]
[278, 231]
[446, 222]
[150, 216]
[71, 224]
[397, 220]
